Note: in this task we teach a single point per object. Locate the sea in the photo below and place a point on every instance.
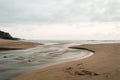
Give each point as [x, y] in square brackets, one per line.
[16, 62]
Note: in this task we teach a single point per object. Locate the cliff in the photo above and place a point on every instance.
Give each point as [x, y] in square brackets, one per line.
[5, 35]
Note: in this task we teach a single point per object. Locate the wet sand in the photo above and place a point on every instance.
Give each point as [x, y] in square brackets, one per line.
[16, 62]
[16, 44]
[103, 65]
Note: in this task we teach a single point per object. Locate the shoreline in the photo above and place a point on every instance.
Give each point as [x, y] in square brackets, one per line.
[103, 65]
[16, 44]
[54, 63]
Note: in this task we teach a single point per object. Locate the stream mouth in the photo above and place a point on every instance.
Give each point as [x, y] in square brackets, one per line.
[15, 62]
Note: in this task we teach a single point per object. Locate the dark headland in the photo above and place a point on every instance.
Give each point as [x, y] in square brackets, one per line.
[8, 42]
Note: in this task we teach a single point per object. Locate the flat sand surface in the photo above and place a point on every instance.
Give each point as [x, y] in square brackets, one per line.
[16, 44]
[103, 65]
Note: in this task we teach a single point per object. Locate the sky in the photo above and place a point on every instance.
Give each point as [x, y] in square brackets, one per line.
[61, 19]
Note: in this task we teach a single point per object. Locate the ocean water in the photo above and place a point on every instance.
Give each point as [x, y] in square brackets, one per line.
[15, 62]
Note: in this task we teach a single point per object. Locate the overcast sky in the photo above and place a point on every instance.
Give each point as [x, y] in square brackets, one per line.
[61, 19]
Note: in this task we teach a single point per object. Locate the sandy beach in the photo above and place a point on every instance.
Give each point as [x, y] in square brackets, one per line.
[103, 65]
[16, 44]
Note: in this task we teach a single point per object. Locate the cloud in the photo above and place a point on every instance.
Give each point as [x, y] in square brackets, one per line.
[61, 19]
[58, 11]
[95, 31]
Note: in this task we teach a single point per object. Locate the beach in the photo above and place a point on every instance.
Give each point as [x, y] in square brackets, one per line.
[16, 44]
[15, 57]
[103, 65]
[59, 39]
[18, 61]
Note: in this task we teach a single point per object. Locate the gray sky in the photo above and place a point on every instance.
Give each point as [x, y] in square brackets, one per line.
[61, 19]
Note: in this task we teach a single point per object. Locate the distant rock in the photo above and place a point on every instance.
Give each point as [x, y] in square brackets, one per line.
[6, 35]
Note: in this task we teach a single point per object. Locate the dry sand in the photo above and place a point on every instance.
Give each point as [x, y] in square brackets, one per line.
[103, 65]
[15, 44]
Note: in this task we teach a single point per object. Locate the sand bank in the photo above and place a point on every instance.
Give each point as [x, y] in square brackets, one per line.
[103, 65]
[16, 44]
